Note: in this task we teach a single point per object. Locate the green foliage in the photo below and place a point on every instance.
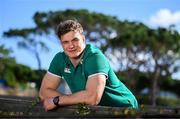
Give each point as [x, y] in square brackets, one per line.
[19, 32]
[5, 63]
[38, 76]
[34, 103]
[143, 99]
[171, 102]
[142, 80]
[82, 109]
[15, 73]
[27, 41]
[168, 84]
[4, 52]
[153, 51]
[161, 101]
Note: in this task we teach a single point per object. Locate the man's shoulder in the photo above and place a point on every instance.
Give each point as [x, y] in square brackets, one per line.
[91, 49]
[59, 54]
[93, 53]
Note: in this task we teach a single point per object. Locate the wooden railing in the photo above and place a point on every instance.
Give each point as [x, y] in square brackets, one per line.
[25, 107]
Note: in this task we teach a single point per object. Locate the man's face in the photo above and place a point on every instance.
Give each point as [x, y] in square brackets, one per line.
[73, 44]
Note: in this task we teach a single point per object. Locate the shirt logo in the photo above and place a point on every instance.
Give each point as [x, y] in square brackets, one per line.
[81, 61]
[67, 70]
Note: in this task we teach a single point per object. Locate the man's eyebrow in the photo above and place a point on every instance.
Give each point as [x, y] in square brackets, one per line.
[75, 38]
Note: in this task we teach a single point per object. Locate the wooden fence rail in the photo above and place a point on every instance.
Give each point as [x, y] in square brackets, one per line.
[31, 107]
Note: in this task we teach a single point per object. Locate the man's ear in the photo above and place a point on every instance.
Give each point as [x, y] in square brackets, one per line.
[83, 36]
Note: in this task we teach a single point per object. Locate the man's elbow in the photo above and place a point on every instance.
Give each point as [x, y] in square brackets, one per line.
[94, 103]
[93, 100]
[41, 95]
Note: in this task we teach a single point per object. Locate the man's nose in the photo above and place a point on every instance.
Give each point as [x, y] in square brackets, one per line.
[71, 45]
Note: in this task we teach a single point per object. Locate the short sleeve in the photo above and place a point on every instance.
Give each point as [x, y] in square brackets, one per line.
[96, 64]
[55, 65]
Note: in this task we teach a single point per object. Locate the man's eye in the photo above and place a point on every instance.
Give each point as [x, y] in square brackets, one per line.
[76, 39]
[65, 42]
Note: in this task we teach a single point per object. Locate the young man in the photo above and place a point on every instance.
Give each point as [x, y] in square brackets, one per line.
[87, 72]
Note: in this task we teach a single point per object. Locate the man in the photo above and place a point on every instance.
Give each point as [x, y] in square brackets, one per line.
[87, 72]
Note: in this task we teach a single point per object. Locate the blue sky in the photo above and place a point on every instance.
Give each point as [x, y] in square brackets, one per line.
[19, 13]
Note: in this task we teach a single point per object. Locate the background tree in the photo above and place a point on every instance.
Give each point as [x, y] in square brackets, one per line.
[13, 73]
[28, 38]
[5, 62]
[155, 52]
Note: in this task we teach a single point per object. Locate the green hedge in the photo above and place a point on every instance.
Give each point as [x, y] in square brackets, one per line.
[161, 101]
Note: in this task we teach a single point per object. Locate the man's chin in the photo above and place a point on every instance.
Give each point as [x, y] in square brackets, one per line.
[74, 56]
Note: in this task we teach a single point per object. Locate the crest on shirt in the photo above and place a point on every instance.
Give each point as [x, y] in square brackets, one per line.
[67, 70]
[81, 61]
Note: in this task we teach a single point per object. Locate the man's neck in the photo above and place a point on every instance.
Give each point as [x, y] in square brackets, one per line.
[75, 61]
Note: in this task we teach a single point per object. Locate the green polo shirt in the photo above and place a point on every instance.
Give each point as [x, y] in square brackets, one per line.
[93, 62]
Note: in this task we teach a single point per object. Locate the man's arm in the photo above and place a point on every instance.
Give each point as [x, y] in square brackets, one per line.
[48, 87]
[90, 96]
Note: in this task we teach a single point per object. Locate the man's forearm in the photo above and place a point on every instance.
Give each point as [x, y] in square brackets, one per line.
[79, 97]
[49, 93]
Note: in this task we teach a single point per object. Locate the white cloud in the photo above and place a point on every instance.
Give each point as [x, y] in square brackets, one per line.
[164, 17]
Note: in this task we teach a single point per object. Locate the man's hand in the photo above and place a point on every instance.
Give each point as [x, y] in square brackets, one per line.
[48, 104]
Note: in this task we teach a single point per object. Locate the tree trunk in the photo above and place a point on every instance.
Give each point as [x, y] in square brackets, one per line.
[154, 87]
[38, 60]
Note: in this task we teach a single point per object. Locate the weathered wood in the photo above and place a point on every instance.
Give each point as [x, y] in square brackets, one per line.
[23, 107]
